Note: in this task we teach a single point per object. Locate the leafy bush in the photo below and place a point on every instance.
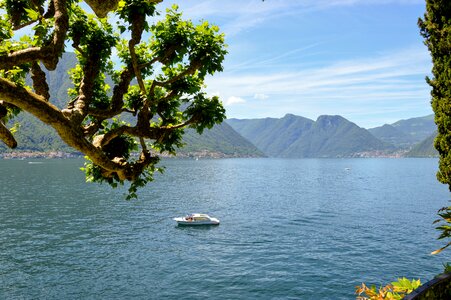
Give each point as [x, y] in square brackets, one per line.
[394, 291]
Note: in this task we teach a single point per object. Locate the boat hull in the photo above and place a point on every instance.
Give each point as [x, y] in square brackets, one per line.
[185, 222]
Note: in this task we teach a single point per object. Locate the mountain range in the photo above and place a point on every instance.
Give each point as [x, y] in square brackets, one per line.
[297, 137]
[406, 133]
[334, 136]
[288, 137]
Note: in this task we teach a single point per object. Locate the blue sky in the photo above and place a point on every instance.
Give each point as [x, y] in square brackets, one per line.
[362, 59]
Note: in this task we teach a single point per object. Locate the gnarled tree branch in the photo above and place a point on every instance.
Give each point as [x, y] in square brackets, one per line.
[39, 81]
[88, 123]
[49, 55]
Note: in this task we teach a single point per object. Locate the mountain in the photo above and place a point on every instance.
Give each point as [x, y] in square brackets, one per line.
[297, 137]
[334, 136]
[59, 80]
[290, 136]
[424, 148]
[390, 134]
[419, 128]
[221, 140]
[33, 135]
[272, 136]
[406, 133]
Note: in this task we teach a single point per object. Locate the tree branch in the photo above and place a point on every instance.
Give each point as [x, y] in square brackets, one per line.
[49, 114]
[7, 137]
[193, 67]
[80, 125]
[117, 100]
[59, 34]
[184, 124]
[20, 26]
[102, 140]
[49, 55]
[30, 102]
[39, 82]
[86, 89]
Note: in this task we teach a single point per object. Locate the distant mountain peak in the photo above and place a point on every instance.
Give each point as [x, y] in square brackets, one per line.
[294, 117]
[289, 116]
[331, 121]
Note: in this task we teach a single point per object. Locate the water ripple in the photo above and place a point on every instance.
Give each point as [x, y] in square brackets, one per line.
[290, 229]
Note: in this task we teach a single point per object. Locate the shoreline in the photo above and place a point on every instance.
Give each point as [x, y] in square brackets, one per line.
[193, 155]
[67, 155]
[39, 154]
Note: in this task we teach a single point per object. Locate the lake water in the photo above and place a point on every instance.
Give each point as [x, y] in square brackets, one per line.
[290, 229]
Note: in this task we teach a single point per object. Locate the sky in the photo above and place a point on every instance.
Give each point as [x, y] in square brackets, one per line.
[362, 59]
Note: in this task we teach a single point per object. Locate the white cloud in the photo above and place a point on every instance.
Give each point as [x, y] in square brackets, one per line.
[393, 81]
[234, 100]
[308, 75]
[389, 73]
[238, 16]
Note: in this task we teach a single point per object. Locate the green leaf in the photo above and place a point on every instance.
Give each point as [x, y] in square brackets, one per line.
[33, 15]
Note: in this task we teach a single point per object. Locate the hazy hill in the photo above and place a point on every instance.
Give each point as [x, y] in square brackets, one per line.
[270, 135]
[221, 139]
[33, 135]
[334, 136]
[406, 133]
[420, 128]
[424, 148]
[392, 135]
[297, 137]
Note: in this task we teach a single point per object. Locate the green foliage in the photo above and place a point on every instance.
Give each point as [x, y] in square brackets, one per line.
[186, 53]
[35, 136]
[444, 226]
[5, 29]
[94, 174]
[436, 30]
[206, 112]
[169, 60]
[17, 10]
[128, 10]
[447, 268]
[169, 142]
[92, 36]
[397, 290]
[16, 74]
[100, 98]
[143, 180]
[188, 44]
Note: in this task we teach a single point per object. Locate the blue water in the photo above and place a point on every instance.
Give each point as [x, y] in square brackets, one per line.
[290, 229]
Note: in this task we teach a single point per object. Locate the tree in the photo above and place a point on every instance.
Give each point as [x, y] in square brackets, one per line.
[436, 30]
[168, 68]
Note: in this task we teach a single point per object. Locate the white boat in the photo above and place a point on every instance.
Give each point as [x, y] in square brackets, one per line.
[196, 219]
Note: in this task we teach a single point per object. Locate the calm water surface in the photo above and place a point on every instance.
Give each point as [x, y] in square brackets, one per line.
[290, 229]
